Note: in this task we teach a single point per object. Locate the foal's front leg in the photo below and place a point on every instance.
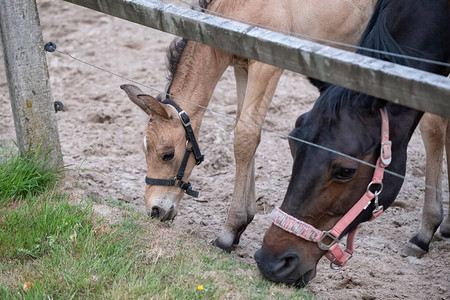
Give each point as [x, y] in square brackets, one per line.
[433, 129]
[444, 230]
[262, 82]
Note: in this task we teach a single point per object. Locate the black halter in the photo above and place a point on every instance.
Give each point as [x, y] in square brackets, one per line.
[190, 137]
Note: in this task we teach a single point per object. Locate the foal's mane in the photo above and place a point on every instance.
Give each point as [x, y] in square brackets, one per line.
[376, 36]
[175, 50]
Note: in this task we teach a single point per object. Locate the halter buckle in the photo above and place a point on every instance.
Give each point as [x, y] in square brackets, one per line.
[386, 153]
[184, 118]
[182, 184]
[327, 234]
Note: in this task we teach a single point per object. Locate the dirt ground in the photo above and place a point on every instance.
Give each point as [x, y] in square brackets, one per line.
[101, 133]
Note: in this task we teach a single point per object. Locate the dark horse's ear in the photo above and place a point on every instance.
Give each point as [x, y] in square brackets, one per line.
[378, 104]
[367, 101]
[319, 84]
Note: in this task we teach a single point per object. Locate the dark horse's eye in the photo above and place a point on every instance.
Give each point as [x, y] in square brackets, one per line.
[168, 156]
[341, 173]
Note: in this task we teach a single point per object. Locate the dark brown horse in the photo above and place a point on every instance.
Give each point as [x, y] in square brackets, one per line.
[326, 188]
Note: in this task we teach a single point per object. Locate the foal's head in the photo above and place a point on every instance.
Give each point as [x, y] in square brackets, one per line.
[164, 146]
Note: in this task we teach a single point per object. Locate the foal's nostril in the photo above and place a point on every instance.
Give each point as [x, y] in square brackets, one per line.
[155, 212]
[161, 214]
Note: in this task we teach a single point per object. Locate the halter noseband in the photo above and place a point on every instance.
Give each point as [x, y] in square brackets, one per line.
[329, 240]
[190, 138]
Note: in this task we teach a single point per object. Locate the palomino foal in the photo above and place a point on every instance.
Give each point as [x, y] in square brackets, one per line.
[435, 134]
[195, 70]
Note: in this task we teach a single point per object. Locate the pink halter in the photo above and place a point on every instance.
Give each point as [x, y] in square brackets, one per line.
[329, 240]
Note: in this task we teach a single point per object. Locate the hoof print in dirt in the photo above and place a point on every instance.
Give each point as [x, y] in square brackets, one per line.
[101, 118]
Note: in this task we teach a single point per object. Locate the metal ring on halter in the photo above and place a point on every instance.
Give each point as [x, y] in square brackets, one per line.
[376, 193]
[334, 266]
[338, 267]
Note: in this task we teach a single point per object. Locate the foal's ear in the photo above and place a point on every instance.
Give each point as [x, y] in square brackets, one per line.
[319, 84]
[151, 106]
[146, 102]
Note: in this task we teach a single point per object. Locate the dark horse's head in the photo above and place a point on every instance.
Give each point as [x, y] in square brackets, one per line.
[325, 185]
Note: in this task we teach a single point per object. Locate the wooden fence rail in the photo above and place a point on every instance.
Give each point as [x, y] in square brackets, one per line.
[410, 87]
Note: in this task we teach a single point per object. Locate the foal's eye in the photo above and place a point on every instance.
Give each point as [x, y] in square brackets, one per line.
[168, 156]
[343, 173]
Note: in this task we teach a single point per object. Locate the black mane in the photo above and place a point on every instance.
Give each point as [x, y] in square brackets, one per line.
[175, 50]
[377, 36]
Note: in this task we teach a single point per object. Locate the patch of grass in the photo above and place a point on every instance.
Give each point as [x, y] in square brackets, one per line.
[65, 251]
[26, 175]
[61, 250]
[40, 224]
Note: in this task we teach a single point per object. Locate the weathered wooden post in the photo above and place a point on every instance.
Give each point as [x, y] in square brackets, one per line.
[28, 78]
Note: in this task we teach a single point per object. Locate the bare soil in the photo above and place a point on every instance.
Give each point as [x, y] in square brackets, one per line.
[101, 133]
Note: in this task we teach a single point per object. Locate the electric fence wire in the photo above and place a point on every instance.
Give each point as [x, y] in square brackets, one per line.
[236, 119]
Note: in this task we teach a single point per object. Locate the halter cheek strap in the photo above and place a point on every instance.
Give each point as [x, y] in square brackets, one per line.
[329, 240]
[190, 138]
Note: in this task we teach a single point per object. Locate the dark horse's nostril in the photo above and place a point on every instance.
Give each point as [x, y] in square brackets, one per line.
[290, 261]
[278, 268]
[288, 264]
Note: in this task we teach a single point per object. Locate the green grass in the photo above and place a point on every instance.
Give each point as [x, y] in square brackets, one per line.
[67, 252]
[27, 175]
[39, 225]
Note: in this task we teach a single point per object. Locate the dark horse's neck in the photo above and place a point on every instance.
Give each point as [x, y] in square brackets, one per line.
[402, 122]
[420, 30]
[425, 27]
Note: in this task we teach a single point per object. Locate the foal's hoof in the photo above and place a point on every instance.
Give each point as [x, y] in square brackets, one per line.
[440, 236]
[412, 250]
[227, 247]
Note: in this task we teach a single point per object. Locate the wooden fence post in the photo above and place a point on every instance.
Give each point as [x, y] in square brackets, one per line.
[28, 78]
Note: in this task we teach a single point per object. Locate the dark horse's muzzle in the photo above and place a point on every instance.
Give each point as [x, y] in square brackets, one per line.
[279, 261]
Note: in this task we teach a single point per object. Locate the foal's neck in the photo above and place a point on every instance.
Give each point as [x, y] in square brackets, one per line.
[197, 74]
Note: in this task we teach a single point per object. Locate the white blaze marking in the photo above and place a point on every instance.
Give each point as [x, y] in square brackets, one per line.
[145, 143]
